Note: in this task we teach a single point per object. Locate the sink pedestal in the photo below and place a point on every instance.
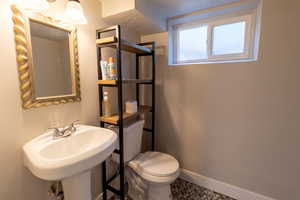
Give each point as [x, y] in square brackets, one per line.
[78, 187]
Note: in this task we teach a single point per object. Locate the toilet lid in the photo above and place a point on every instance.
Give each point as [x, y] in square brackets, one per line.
[156, 164]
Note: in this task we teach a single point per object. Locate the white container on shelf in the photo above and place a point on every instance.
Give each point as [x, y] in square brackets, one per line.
[131, 107]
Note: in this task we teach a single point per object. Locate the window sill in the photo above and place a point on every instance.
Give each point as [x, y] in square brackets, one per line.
[213, 62]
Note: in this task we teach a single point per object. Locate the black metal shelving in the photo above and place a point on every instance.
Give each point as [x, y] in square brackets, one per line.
[140, 50]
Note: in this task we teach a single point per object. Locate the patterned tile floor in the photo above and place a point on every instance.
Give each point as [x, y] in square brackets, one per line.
[183, 190]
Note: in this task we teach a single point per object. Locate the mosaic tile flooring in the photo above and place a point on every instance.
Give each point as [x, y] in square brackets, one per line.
[183, 190]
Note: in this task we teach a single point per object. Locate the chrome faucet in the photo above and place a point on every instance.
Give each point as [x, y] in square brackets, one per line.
[70, 129]
[64, 132]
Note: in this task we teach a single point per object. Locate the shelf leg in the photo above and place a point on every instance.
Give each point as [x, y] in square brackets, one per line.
[153, 96]
[137, 76]
[120, 102]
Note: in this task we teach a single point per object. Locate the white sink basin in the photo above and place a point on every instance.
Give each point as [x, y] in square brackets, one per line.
[70, 159]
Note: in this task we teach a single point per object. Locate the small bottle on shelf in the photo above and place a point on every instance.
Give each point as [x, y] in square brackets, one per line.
[106, 105]
[112, 69]
[104, 70]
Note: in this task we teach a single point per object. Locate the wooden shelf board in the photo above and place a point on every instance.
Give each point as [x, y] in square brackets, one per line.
[107, 82]
[106, 40]
[128, 81]
[127, 118]
[145, 108]
[125, 45]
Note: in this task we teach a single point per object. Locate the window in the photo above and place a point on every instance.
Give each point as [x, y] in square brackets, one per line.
[231, 37]
[189, 48]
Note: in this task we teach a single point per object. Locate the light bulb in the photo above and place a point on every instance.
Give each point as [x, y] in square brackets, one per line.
[74, 13]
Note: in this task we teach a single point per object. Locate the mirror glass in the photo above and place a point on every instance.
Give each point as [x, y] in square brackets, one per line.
[51, 60]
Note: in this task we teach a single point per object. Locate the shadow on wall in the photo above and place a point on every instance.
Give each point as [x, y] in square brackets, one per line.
[166, 126]
[176, 123]
[165, 123]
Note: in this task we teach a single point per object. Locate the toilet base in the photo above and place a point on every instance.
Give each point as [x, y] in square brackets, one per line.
[155, 192]
[160, 192]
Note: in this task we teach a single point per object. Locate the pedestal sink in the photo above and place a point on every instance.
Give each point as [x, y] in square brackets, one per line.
[70, 159]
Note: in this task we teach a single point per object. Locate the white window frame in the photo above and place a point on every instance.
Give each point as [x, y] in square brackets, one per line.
[211, 23]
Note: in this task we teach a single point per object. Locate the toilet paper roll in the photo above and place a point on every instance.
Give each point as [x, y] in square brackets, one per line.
[131, 107]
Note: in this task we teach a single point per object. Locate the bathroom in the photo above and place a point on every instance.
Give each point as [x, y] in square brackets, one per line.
[232, 125]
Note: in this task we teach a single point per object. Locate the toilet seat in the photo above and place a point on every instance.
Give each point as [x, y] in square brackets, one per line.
[156, 167]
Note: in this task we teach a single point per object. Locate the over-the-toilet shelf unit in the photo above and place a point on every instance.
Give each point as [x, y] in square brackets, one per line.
[140, 50]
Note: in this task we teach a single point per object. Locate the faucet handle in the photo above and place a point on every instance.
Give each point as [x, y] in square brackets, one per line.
[72, 125]
[56, 132]
[75, 122]
[54, 129]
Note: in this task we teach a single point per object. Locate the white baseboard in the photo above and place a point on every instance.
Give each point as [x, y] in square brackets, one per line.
[220, 187]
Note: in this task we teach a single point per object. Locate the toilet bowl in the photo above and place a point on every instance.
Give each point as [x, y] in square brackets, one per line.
[158, 171]
[153, 171]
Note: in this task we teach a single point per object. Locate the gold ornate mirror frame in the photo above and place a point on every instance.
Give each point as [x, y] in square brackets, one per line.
[25, 61]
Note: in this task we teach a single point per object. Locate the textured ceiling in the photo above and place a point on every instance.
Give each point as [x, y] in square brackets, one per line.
[171, 8]
[158, 11]
[134, 20]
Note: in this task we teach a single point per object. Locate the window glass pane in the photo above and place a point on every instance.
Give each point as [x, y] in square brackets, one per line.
[192, 43]
[229, 38]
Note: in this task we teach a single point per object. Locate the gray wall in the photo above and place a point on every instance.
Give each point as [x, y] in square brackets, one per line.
[238, 122]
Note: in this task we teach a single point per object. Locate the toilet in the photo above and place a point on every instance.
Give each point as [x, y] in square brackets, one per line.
[150, 174]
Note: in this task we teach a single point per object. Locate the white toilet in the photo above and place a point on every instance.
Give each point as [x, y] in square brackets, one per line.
[155, 171]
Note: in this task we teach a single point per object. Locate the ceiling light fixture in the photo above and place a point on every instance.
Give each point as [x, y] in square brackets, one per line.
[74, 13]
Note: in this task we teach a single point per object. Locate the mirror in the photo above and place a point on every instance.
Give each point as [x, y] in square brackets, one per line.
[47, 56]
[51, 60]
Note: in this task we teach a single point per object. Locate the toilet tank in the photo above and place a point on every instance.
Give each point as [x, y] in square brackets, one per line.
[132, 136]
